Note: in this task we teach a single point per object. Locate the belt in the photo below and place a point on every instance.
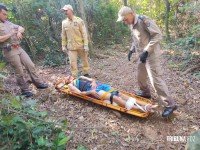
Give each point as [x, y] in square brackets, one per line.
[15, 46]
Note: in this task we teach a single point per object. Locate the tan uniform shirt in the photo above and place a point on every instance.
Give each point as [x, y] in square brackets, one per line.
[146, 36]
[74, 34]
[6, 28]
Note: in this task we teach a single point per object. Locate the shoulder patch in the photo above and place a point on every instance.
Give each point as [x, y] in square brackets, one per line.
[148, 24]
[144, 19]
[75, 23]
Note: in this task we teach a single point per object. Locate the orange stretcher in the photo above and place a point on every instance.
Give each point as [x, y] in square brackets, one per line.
[136, 112]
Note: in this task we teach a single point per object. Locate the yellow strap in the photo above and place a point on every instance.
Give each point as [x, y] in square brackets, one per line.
[85, 42]
[105, 94]
[75, 40]
[74, 82]
[78, 39]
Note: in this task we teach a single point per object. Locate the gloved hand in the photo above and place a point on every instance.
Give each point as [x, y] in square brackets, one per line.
[64, 49]
[129, 55]
[143, 56]
[86, 48]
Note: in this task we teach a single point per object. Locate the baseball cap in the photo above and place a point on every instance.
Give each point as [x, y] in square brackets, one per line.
[67, 7]
[123, 12]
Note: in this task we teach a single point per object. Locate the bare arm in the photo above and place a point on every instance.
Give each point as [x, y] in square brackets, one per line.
[21, 29]
[93, 81]
[17, 30]
[20, 32]
[7, 36]
[75, 89]
[86, 78]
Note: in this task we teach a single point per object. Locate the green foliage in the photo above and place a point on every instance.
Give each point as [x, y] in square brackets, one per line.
[42, 26]
[195, 29]
[81, 148]
[197, 74]
[43, 23]
[190, 41]
[195, 33]
[2, 65]
[23, 127]
[54, 58]
[187, 42]
[154, 9]
[105, 26]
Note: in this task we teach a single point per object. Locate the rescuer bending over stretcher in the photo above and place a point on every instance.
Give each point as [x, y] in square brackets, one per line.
[88, 86]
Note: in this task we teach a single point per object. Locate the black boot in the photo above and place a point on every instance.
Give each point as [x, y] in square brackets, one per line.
[168, 111]
[143, 94]
[27, 94]
[42, 86]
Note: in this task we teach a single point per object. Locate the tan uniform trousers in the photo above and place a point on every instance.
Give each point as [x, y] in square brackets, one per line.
[152, 69]
[19, 60]
[73, 56]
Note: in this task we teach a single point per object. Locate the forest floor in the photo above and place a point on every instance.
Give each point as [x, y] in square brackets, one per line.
[97, 127]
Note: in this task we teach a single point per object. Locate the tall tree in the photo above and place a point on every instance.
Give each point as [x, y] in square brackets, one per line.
[125, 2]
[23, 23]
[167, 3]
[82, 12]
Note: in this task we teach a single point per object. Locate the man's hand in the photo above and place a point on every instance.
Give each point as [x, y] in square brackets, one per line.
[86, 48]
[143, 57]
[129, 55]
[64, 49]
[93, 85]
[14, 31]
[95, 94]
[7, 36]
[19, 35]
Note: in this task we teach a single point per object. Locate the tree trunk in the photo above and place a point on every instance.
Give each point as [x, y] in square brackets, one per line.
[175, 25]
[82, 12]
[167, 20]
[125, 2]
[23, 23]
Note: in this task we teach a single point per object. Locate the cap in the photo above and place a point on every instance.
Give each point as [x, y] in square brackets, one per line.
[123, 12]
[67, 7]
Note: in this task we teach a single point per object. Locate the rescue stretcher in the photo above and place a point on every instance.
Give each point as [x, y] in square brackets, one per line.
[62, 87]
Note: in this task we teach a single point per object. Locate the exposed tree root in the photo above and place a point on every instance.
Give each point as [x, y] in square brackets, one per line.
[191, 69]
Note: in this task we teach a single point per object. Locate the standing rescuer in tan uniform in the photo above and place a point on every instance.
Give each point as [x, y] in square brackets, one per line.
[146, 37]
[10, 37]
[75, 40]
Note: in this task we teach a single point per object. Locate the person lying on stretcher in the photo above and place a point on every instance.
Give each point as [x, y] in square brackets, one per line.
[88, 86]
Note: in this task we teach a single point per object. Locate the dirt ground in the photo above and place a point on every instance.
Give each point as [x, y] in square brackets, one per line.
[97, 127]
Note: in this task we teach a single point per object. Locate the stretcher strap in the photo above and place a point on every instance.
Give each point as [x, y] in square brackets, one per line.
[106, 93]
[143, 109]
[76, 83]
